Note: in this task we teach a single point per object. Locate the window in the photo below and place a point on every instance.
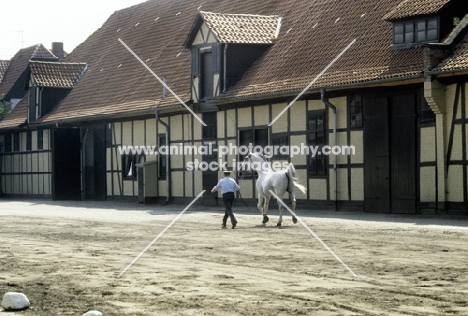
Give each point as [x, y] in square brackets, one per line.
[210, 130]
[28, 140]
[251, 138]
[418, 31]
[162, 158]
[206, 75]
[38, 103]
[355, 111]
[427, 30]
[129, 163]
[7, 140]
[316, 136]
[16, 142]
[40, 139]
[427, 115]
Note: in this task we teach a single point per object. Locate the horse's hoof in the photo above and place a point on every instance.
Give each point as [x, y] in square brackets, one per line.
[265, 219]
[294, 220]
[278, 224]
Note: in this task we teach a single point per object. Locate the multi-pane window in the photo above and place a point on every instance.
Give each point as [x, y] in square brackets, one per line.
[418, 31]
[129, 163]
[317, 136]
[355, 111]
[255, 137]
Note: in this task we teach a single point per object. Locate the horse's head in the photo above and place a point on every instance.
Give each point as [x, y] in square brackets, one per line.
[257, 162]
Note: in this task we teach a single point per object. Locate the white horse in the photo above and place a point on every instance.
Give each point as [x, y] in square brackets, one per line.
[277, 181]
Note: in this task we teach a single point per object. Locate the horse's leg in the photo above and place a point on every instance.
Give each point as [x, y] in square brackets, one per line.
[292, 197]
[265, 209]
[281, 209]
[261, 206]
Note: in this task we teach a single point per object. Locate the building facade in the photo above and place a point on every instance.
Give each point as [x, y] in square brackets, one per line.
[391, 109]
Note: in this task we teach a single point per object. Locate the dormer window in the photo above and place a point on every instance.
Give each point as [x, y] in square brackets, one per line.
[416, 31]
[223, 47]
[416, 22]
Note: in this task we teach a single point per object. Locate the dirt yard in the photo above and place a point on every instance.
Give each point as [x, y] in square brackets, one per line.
[66, 256]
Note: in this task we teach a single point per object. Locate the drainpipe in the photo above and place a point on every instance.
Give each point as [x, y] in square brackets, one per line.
[225, 67]
[168, 158]
[331, 106]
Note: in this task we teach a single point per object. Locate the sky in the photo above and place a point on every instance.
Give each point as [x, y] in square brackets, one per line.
[29, 22]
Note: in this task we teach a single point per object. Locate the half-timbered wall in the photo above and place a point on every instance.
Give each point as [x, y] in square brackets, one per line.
[456, 151]
[26, 167]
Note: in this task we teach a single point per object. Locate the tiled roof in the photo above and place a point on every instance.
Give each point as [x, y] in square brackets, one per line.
[17, 116]
[242, 28]
[56, 74]
[3, 68]
[410, 8]
[458, 61]
[311, 35]
[19, 64]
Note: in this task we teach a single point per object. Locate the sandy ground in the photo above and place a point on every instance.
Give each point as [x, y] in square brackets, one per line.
[66, 256]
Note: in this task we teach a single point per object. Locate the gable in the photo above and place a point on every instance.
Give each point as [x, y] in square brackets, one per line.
[204, 35]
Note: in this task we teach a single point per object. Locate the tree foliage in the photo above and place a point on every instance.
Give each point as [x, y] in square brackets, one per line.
[5, 108]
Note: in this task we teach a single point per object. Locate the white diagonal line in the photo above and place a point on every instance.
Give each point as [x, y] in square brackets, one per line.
[161, 81]
[314, 234]
[313, 81]
[160, 234]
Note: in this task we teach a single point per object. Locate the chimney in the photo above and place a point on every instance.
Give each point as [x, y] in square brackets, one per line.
[57, 50]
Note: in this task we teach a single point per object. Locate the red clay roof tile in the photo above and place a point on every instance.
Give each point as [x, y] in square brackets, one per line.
[413, 8]
[242, 28]
[56, 74]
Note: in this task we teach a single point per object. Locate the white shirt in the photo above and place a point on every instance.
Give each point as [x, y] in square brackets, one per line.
[227, 184]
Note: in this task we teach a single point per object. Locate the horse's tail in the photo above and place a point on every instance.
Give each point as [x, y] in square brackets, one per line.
[294, 183]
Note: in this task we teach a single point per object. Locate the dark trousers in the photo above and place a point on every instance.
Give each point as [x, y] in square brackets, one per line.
[228, 199]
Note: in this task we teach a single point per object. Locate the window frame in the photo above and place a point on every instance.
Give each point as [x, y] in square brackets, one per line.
[315, 161]
[415, 25]
[254, 141]
[353, 114]
[130, 161]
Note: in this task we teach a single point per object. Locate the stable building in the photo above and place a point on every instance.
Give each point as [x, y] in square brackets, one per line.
[396, 95]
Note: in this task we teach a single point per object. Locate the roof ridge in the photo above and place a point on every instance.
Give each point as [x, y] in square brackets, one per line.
[241, 14]
[57, 62]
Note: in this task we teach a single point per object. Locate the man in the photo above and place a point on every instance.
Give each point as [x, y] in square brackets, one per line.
[228, 187]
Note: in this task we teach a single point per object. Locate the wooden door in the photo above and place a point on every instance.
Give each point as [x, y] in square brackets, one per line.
[376, 156]
[404, 154]
[66, 175]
